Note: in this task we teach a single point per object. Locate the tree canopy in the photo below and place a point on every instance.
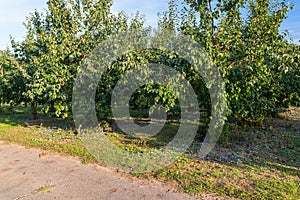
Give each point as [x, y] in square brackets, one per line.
[259, 65]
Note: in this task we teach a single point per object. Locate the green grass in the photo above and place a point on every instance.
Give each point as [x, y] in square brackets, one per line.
[16, 127]
[241, 181]
[248, 162]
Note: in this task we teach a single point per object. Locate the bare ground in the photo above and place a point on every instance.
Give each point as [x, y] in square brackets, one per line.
[33, 174]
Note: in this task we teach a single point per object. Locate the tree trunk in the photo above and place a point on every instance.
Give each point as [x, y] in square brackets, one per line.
[52, 108]
[11, 106]
[34, 111]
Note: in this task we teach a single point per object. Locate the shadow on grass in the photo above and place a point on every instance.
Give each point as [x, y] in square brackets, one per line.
[21, 116]
[263, 158]
[275, 147]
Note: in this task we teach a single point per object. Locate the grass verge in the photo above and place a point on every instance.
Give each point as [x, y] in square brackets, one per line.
[248, 163]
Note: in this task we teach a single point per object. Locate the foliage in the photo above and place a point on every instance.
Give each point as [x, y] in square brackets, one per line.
[12, 78]
[260, 68]
[151, 94]
[57, 43]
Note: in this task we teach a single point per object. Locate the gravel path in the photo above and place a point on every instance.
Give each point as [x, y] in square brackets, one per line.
[32, 174]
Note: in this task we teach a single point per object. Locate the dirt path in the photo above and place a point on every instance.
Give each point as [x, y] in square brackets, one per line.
[29, 174]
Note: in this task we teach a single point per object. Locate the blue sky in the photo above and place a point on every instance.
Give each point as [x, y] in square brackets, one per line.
[14, 12]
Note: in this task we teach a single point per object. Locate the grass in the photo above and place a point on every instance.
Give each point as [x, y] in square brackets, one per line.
[248, 162]
[240, 181]
[259, 163]
[16, 127]
[44, 189]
